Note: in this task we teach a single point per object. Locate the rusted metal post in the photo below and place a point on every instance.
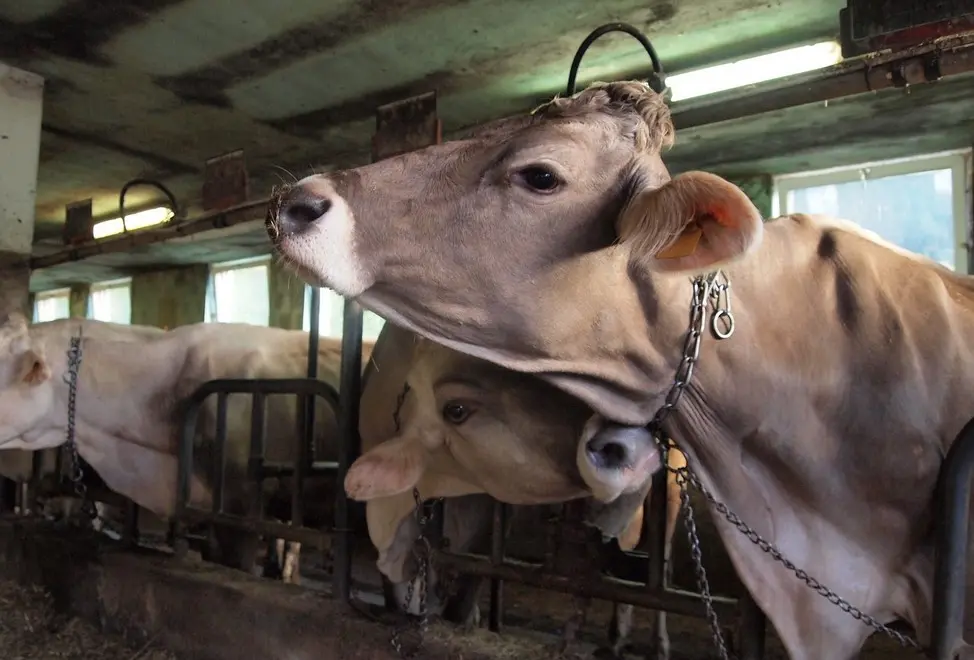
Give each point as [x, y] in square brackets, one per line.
[399, 127]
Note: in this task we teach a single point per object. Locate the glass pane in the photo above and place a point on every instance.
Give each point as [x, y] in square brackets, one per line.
[914, 211]
[112, 304]
[51, 308]
[332, 313]
[241, 295]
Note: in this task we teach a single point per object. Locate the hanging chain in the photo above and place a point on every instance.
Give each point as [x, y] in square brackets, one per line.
[722, 326]
[77, 474]
[423, 554]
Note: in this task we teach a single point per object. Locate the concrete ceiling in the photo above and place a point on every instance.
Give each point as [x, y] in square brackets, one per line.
[155, 87]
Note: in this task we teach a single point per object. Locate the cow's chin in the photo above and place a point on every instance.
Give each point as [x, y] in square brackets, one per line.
[607, 485]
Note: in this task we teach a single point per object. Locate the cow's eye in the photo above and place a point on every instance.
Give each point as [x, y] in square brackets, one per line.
[456, 413]
[540, 179]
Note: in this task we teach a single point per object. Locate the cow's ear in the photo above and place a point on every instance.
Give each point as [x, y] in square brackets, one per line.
[694, 222]
[388, 469]
[34, 369]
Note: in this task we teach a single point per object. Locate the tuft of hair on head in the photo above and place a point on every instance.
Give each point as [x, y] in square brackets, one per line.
[651, 125]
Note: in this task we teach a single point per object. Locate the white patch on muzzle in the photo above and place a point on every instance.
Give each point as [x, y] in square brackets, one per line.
[324, 254]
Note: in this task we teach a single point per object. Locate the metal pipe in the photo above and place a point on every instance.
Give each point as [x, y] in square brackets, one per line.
[184, 472]
[656, 80]
[312, 537]
[498, 532]
[849, 78]
[950, 574]
[605, 588]
[349, 395]
[220, 447]
[306, 448]
[126, 242]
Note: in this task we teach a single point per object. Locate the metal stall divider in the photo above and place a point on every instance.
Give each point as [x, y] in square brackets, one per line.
[401, 126]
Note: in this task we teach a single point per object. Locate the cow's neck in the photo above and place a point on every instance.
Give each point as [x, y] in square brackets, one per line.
[123, 392]
[824, 438]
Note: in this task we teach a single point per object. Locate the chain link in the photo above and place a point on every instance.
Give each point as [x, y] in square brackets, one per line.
[423, 555]
[77, 473]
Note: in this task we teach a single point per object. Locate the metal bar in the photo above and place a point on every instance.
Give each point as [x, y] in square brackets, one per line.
[258, 437]
[306, 447]
[612, 589]
[656, 532]
[317, 468]
[752, 629]
[126, 242]
[267, 386]
[220, 448]
[312, 537]
[349, 395]
[953, 509]
[954, 56]
[184, 470]
[497, 537]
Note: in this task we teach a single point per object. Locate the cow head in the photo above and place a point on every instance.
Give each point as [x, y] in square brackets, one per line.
[468, 426]
[26, 389]
[508, 245]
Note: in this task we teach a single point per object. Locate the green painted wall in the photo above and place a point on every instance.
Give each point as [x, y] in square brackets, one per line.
[78, 301]
[285, 297]
[170, 298]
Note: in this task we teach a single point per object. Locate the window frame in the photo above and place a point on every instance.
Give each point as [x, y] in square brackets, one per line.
[63, 292]
[956, 160]
[105, 285]
[210, 314]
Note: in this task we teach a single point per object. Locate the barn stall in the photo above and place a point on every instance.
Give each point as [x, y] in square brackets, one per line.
[125, 127]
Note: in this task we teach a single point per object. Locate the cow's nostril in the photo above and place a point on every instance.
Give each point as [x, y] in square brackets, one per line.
[299, 213]
[605, 453]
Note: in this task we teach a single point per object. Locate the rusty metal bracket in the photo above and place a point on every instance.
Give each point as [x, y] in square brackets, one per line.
[406, 125]
[225, 181]
[915, 71]
[78, 222]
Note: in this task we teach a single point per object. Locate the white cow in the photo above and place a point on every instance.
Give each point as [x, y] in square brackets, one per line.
[132, 384]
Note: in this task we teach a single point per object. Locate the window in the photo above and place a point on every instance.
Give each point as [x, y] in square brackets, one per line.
[916, 203]
[52, 305]
[111, 301]
[238, 293]
[331, 314]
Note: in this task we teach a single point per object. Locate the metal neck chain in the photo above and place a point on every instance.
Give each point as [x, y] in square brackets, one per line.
[722, 325]
[423, 554]
[71, 378]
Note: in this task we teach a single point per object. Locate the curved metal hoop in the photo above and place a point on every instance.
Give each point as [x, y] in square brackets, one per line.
[656, 80]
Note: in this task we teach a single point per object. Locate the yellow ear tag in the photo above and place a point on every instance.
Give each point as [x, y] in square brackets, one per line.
[684, 246]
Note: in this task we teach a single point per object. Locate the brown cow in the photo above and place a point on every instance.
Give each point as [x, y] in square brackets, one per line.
[823, 421]
[467, 426]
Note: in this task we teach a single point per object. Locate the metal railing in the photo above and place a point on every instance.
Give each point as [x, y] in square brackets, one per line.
[345, 404]
[567, 568]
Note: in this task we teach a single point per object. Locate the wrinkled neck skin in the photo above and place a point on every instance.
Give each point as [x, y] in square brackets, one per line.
[124, 424]
[769, 429]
